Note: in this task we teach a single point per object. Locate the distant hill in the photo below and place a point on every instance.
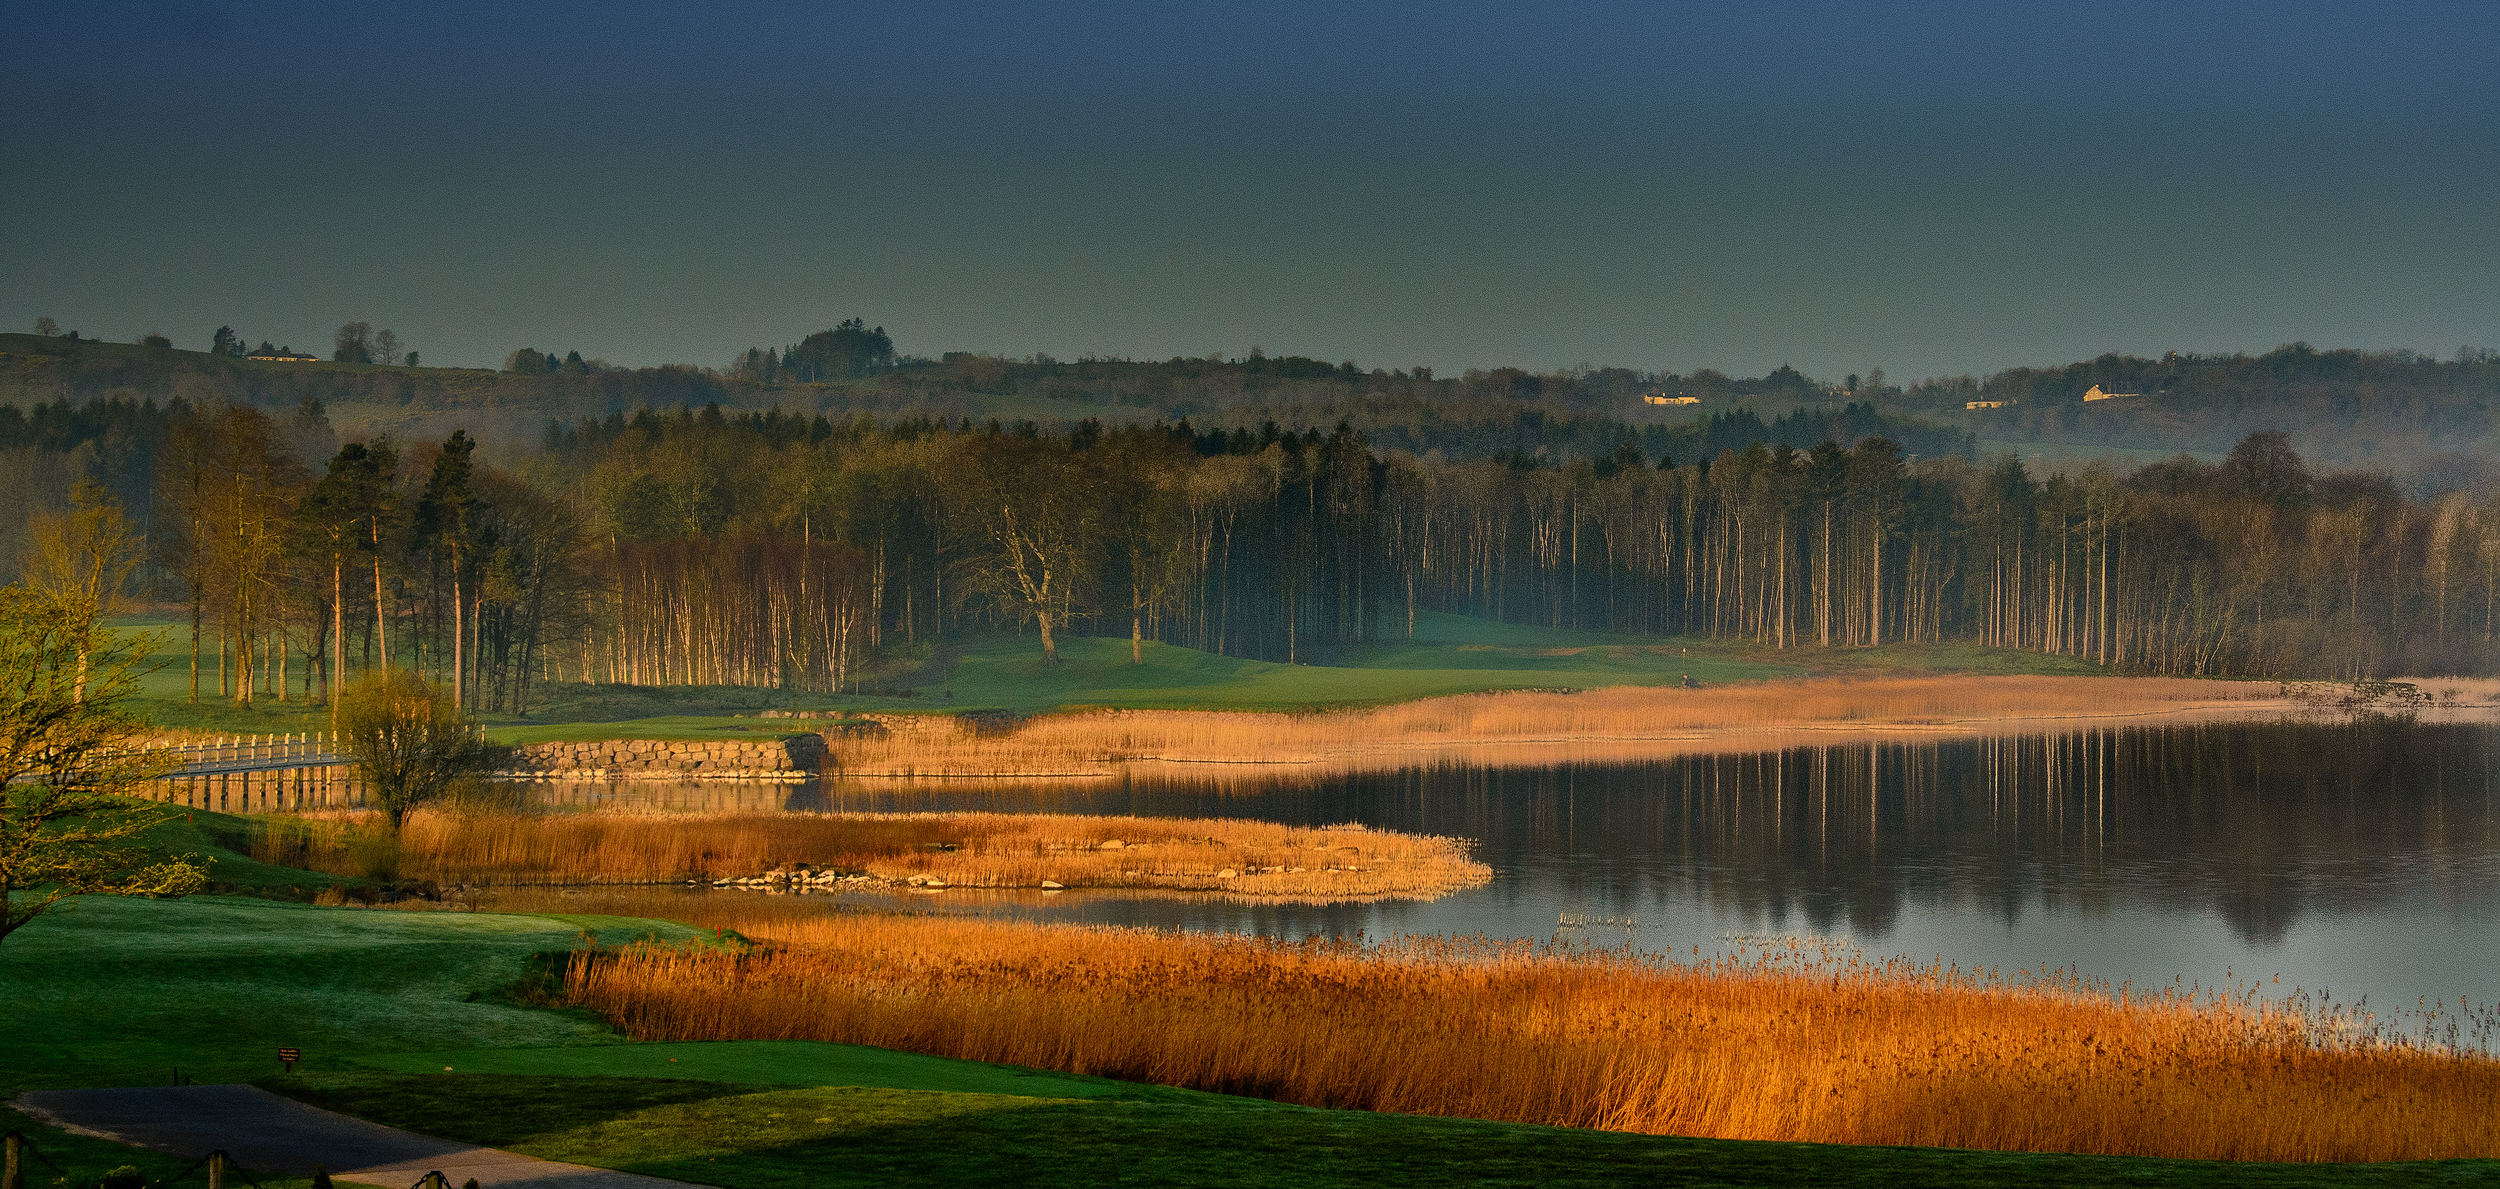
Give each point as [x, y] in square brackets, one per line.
[2430, 422]
[1479, 414]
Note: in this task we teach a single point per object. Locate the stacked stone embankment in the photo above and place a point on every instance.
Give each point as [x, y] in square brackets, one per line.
[793, 758]
[840, 724]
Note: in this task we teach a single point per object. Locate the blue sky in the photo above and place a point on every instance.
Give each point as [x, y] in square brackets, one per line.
[1930, 188]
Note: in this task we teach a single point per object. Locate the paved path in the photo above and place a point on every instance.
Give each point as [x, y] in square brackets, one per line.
[264, 1132]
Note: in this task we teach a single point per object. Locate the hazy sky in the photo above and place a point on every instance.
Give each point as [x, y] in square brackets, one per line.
[1928, 188]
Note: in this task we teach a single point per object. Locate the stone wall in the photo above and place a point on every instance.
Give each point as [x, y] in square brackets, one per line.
[846, 724]
[794, 758]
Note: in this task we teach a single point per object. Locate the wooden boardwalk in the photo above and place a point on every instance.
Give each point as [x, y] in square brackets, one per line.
[261, 774]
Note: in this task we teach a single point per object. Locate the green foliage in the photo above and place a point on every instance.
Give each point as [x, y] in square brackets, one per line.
[69, 757]
[847, 351]
[410, 743]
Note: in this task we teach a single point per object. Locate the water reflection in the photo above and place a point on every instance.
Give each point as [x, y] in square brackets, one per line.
[2362, 854]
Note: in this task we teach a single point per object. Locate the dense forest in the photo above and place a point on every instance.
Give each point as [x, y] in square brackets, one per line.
[781, 550]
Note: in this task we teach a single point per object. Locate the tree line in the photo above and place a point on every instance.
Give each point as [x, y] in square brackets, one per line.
[1285, 545]
[778, 550]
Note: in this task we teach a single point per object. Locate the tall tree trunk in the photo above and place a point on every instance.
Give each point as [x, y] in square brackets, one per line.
[459, 634]
[381, 614]
[338, 634]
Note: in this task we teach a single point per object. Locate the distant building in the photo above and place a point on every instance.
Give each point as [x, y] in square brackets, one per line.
[1656, 398]
[283, 355]
[1986, 404]
[2097, 394]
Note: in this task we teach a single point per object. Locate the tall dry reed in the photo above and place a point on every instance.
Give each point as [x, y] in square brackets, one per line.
[983, 850]
[1786, 1045]
[1537, 728]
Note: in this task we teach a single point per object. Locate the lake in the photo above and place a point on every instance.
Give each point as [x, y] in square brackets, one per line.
[2359, 862]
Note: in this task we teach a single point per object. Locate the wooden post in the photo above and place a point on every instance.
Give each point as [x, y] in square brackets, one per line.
[13, 1161]
[217, 1169]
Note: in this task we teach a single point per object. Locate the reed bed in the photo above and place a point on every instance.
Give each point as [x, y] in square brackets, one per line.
[968, 850]
[1786, 1043]
[1537, 728]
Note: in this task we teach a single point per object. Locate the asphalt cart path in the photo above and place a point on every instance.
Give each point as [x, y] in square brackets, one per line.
[264, 1132]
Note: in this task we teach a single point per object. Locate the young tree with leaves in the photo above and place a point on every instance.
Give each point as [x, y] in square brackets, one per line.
[83, 559]
[70, 758]
[410, 742]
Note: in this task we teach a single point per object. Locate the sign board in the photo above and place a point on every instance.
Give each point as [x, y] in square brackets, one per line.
[290, 1057]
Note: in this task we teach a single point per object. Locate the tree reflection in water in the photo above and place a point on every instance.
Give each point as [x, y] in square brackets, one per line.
[2255, 823]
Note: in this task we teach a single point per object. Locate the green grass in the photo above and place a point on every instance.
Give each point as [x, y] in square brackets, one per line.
[109, 992]
[164, 690]
[746, 1137]
[766, 1063]
[118, 992]
[1450, 654]
[224, 839]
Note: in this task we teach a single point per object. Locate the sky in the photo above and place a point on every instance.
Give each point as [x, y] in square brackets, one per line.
[1928, 188]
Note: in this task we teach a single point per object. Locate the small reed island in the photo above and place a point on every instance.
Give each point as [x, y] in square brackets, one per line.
[930, 852]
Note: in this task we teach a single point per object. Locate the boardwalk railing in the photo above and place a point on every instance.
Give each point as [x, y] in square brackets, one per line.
[257, 753]
[261, 774]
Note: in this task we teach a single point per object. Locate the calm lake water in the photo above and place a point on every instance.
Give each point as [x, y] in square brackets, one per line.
[2360, 860]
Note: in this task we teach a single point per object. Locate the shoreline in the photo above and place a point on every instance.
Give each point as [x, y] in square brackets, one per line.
[1528, 729]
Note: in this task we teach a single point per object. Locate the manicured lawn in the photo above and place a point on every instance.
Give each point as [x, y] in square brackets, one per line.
[119, 992]
[765, 1063]
[164, 691]
[110, 992]
[750, 1137]
[1449, 654]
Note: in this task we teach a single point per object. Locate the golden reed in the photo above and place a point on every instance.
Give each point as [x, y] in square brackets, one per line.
[1789, 1044]
[1625, 722]
[988, 850]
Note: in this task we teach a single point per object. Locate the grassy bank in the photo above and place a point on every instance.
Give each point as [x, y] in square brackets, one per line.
[1789, 1044]
[120, 992]
[972, 850]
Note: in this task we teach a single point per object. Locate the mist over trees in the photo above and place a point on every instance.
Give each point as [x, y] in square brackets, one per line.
[2432, 422]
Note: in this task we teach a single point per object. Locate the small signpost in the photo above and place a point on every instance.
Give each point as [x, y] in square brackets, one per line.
[290, 1057]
